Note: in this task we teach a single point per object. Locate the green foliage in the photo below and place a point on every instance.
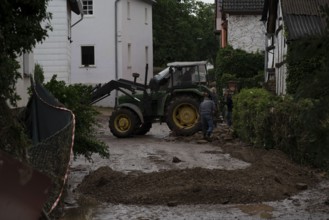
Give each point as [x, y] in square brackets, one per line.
[8, 77]
[20, 29]
[250, 112]
[183, 30]
[307, 60]
[300, 122]
[239, 62]
[226, 77]
[13, 138]
[241, 66]
[308, 65]
[38, 73]
[75, 97]
[300, 128]
[21, 25]
[325, 13]
[211, 75]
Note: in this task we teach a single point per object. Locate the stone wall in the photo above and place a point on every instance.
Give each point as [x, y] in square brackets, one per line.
[246, 32]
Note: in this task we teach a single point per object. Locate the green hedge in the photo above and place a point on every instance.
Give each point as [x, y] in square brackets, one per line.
[298, 128]
[251, 116]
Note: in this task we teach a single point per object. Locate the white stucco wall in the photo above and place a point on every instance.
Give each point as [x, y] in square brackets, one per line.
[94, 30]
[246, 32]
[136, 31]
[54, 53]
[98, 30]
[26, 63]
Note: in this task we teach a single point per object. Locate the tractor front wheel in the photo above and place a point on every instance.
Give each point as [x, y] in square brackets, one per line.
[123, 123]
[182, 116]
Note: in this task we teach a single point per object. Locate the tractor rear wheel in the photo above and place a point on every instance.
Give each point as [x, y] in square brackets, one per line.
[144, 128]
[182, 115]
[123, 123]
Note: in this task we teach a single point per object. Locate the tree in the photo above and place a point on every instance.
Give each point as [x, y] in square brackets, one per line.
[20, 29]
[183, 30]
[239, 65]
[209, 42]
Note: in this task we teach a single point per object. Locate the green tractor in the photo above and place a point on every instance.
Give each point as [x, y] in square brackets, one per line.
[172, 96]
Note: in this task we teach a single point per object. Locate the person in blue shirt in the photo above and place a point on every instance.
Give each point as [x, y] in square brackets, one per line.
[207, 110]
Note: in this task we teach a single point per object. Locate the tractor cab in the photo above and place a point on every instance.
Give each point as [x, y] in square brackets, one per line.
[180, 74]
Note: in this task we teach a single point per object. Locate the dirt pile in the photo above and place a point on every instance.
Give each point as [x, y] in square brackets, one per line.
[271, 176]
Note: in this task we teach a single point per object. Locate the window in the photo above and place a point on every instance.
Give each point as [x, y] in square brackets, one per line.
[88, 7]
[87, 55]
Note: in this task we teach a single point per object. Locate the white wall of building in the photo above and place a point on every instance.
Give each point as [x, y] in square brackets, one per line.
[136, 31]
[134, 35]
[54, 53]
[246, 32]
[94, 30]
[26, 69]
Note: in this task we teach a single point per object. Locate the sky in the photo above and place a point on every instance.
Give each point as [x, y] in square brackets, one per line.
[208, 1]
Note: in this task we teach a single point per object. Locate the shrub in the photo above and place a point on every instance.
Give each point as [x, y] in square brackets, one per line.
[13, 138]
[300, 129]
[238, 65]
[251, 116]
[38, 73]
[76, 98]
[308, 67]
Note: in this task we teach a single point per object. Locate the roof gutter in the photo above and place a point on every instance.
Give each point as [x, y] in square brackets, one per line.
[115, 38]
[77, 21]
[79, 5]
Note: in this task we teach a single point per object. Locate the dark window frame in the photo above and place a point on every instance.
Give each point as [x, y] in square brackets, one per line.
[87, 56]
[88, 7]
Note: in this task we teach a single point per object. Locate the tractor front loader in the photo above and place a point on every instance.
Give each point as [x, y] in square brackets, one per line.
[172, 96]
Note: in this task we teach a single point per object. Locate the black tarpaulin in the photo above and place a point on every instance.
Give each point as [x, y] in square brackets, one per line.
[44, 115]
[51, 127]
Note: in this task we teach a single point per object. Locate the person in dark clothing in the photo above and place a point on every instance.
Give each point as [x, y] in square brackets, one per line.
[207, 109]
[229, 103]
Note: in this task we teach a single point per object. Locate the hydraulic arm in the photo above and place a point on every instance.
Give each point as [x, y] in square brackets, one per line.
[101, 92]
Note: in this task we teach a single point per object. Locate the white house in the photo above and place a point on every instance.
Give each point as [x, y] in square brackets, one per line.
[26, 63]
[113, 41]
[288, 20]
[239, 25]
[54, 54]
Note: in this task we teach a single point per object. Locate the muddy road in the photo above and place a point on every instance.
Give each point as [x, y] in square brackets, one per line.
[159, 176]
